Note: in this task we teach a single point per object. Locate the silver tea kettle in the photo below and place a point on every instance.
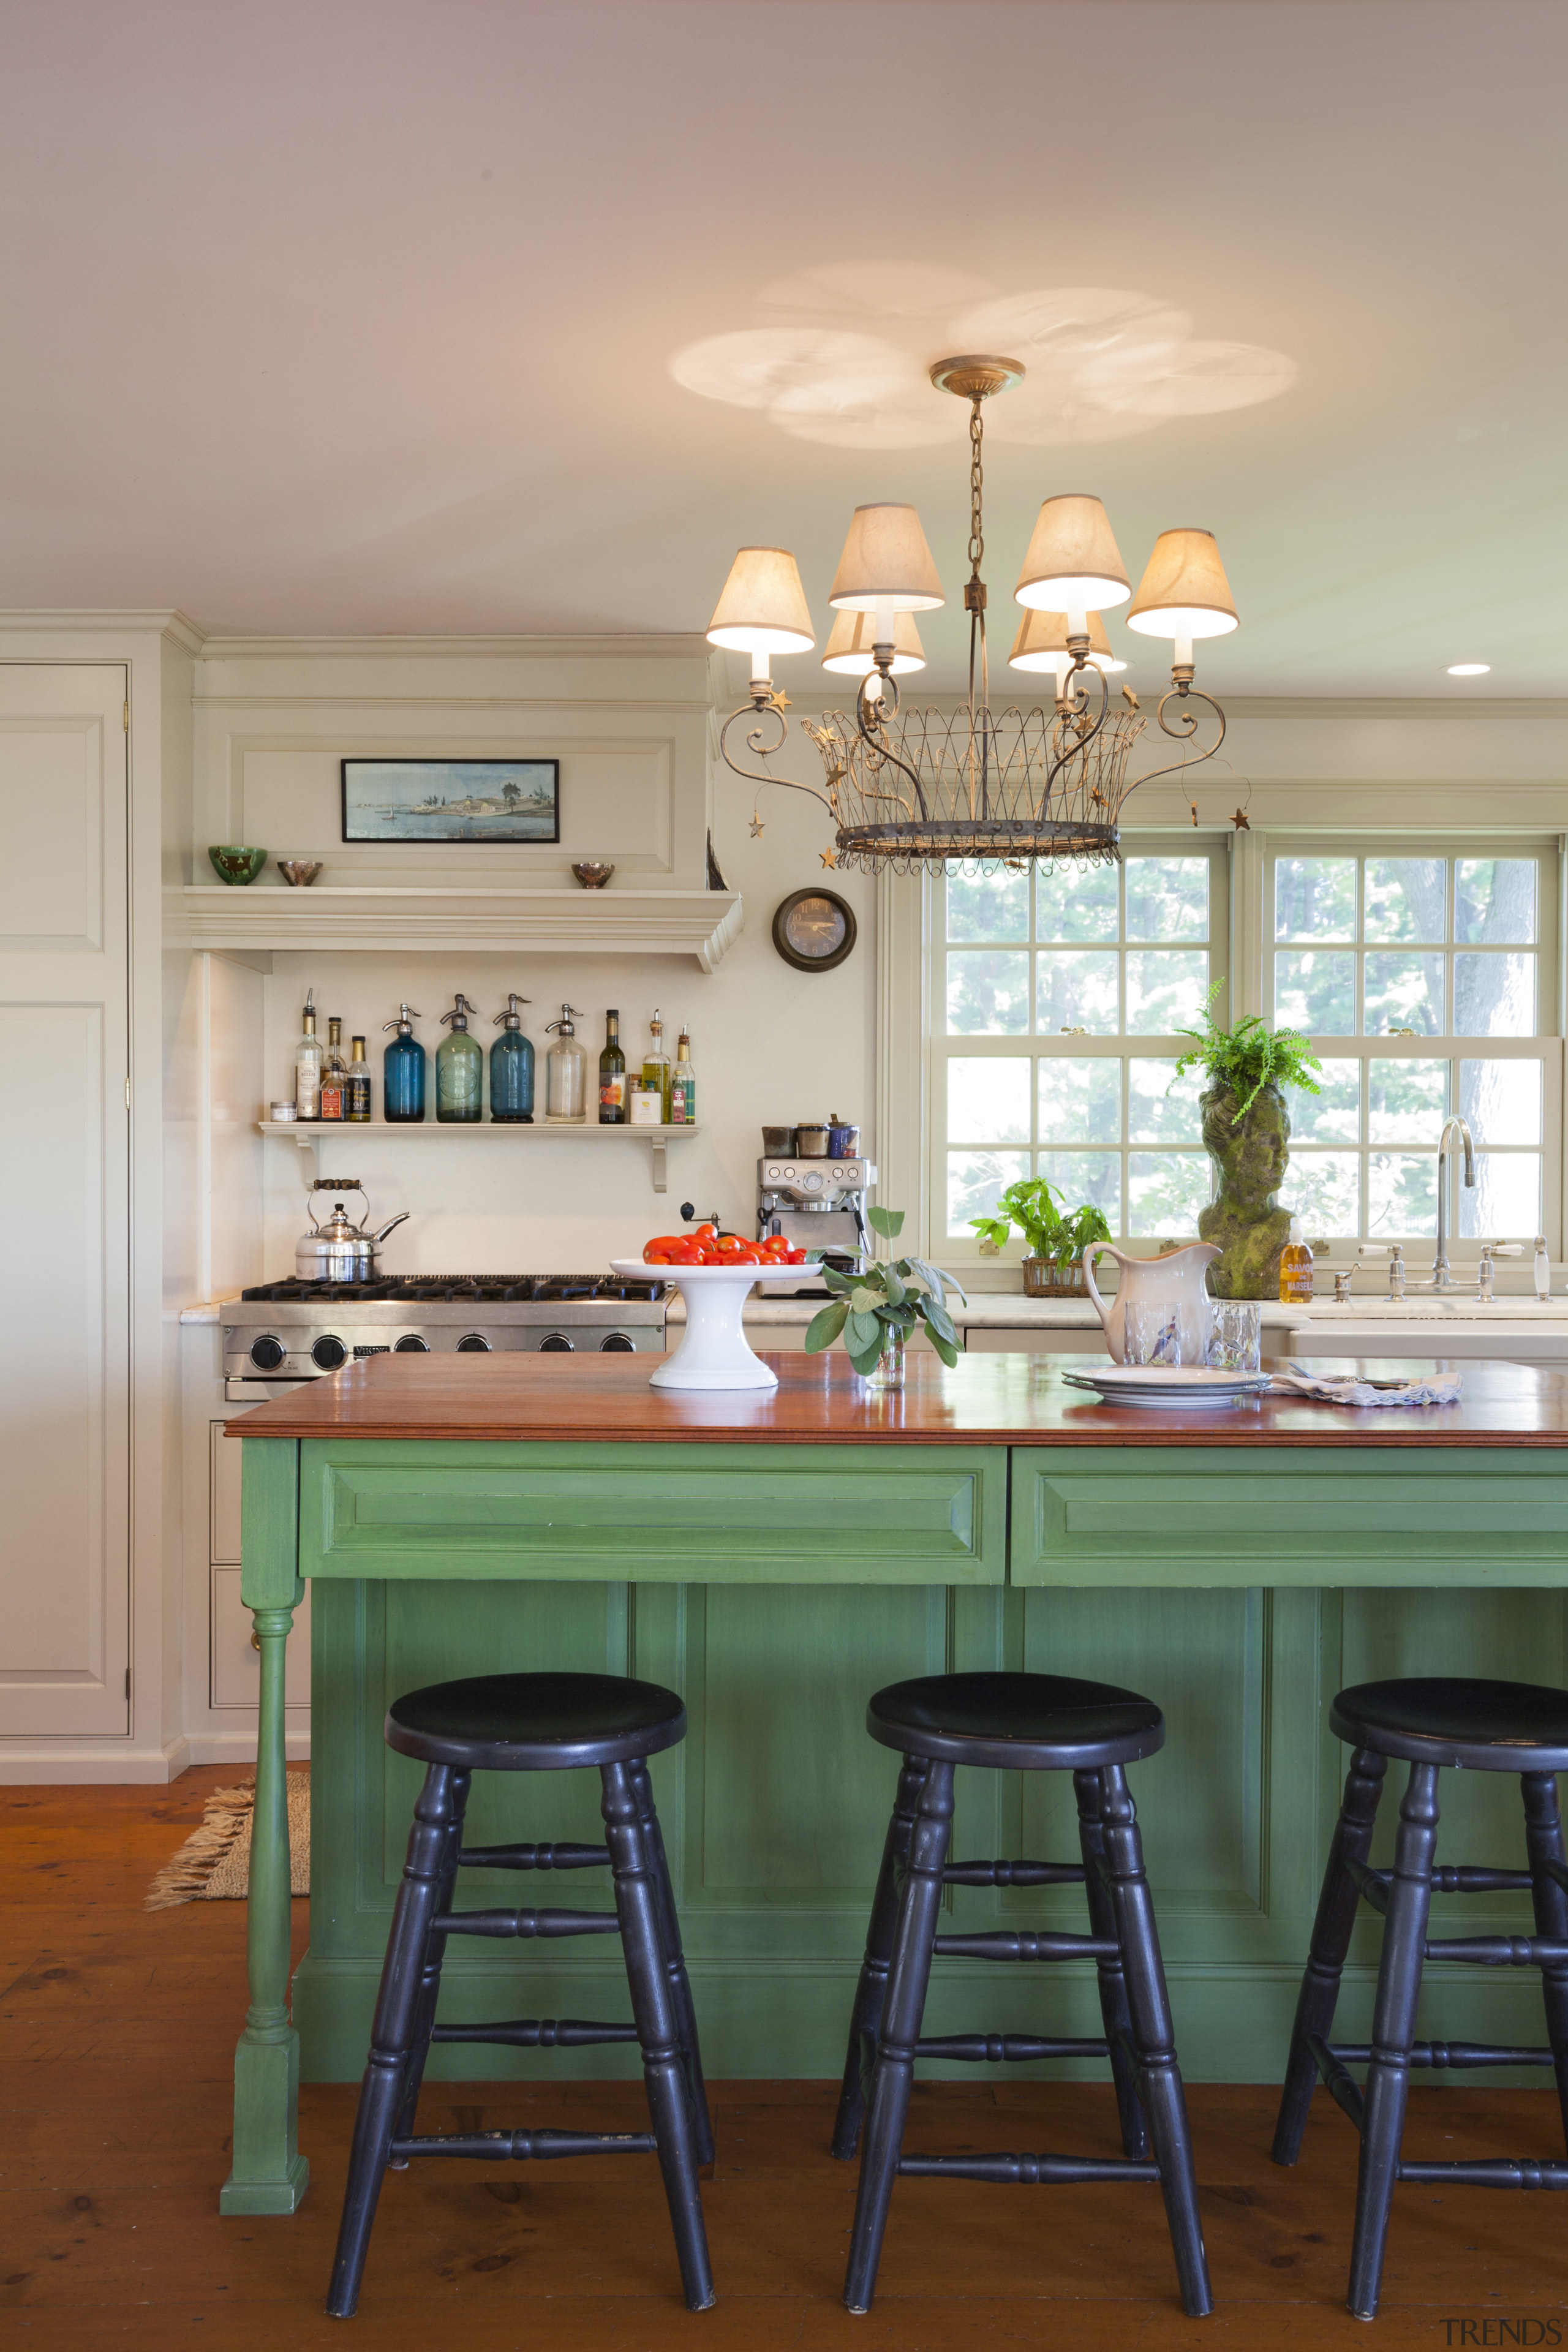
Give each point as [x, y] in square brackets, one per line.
[340, 1251]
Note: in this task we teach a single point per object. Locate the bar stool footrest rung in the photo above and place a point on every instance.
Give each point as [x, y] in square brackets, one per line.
[995, 2049]
[1032, 2171]
[552, 1856]
[1023, 1944]
[525, 1922]
[537, 2032]
[1013, 1874]
[1446, 2054]
[1490, 2172]
[521, 2146]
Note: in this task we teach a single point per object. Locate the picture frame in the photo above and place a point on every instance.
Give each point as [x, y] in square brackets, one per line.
[416, 801]
[813, 929]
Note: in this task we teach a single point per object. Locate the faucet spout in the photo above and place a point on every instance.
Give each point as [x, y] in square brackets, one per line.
[1441, 1277]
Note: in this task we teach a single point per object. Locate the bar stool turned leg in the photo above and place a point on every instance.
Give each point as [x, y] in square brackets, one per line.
[658, 2029]
[1113, 2007]
[866, 2020]
[675, 1964]
[1154, 2039]
[1393, 2033]
[1544, 1838]
[1320, 1992]
[914, 1936]
[430, 1979]
[392, 2036]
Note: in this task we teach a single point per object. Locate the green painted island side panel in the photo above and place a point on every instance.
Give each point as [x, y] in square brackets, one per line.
[1237, 1515]
[713, 1514]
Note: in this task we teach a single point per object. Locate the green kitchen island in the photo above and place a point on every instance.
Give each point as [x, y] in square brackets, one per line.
[778, 1556]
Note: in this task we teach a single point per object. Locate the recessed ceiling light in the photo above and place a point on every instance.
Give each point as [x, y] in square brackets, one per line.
[1468, 669]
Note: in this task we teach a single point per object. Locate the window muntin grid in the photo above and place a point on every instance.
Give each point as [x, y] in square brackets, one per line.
[1059, 997]
[1414, 970]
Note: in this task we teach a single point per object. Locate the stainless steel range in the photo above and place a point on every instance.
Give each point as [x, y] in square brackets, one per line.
[298, 1330]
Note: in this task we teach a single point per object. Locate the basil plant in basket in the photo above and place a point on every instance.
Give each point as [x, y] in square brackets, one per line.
[879, 1309]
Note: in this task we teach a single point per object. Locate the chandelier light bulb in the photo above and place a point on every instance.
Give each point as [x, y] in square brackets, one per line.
[1184, 592]
[848, 650]
[886, 568]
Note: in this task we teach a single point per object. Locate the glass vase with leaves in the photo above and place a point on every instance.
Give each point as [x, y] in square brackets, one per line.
[879, 1308]
[1057, 1236]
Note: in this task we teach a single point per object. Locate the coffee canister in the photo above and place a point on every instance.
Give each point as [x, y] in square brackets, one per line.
[843, 1142]
[811, 1143]
[778, 1142]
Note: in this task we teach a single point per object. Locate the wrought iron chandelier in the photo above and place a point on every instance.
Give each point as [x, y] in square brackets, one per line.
[924, 789]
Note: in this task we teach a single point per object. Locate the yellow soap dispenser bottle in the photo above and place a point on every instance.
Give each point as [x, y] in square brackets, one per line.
[1296, 1268]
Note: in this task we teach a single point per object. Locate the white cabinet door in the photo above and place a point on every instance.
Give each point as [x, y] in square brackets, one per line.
[65, 1201]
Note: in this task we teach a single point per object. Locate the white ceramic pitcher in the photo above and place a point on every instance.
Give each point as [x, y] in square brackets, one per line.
[1175, 1281]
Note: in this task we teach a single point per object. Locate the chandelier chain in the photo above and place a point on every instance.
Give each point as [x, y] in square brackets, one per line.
[976, 486]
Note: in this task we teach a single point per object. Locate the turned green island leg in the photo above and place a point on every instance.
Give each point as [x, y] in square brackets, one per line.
[269, 2175]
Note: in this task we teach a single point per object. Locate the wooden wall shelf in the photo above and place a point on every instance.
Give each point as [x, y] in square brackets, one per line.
[703, 924]
[343, 1138]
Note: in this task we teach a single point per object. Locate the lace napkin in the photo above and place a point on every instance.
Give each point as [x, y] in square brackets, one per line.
[1440, 1388]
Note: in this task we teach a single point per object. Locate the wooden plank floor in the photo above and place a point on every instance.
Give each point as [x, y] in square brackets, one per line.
[117, 2030]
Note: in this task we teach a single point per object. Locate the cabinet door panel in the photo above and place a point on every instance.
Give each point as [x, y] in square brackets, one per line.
[65, 1340]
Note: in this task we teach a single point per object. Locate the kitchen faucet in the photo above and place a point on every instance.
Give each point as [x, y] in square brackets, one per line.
[1441, 1277]
[1442, 1273]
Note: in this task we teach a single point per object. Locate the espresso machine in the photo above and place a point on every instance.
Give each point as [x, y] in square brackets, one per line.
[818, 1204]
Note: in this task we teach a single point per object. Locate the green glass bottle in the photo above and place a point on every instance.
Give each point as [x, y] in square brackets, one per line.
[459, 1066]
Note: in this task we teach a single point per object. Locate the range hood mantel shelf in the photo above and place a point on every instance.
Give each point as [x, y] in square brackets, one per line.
[700, 923]
[344, 1138]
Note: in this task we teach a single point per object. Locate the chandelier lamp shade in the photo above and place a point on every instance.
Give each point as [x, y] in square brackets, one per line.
[929, 789]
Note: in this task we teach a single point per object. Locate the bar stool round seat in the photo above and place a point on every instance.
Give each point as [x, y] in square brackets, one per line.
[1431, 1723]
[535, 1723]
[1032, 1723]
[1452, 1720]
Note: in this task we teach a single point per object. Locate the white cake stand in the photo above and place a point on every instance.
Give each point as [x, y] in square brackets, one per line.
[714, 1352]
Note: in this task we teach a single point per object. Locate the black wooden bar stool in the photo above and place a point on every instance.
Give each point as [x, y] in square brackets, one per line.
[533, 1722]
[1484, 1727]
[1031, 1723]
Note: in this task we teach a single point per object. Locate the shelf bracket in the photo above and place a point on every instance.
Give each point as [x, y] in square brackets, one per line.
[660, 1164]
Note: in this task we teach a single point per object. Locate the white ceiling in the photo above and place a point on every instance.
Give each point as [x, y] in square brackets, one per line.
[362, 315]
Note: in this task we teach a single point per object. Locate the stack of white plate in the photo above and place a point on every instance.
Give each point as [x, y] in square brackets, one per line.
[1165, 1384]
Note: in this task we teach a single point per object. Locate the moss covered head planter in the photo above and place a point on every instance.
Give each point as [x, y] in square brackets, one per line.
[1246, 1133]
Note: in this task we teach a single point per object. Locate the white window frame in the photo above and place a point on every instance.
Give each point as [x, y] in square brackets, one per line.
[1546, 1045]
[964, 1252]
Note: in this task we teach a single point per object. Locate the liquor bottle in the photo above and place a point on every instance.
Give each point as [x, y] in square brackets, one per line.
[656, 1065]
[612, 1076]
[356, 1096]
[402, 1085]
[511, 1068]
[308, 1066]
[334, 1071]
[683, 1086]
[1296, 1268]
[459, 1066]
[566, 1075]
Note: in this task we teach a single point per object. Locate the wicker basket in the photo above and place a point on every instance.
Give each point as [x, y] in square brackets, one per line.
[1045, 1277]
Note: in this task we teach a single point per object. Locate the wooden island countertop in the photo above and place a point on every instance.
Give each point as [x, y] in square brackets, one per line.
[999, 1400]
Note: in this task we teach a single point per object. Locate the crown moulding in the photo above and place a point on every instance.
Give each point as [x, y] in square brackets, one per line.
[702, 924]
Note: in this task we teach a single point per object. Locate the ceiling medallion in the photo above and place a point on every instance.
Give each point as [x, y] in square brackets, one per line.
[924, 789]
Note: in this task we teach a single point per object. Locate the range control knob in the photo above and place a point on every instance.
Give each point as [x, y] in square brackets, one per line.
[616, 1344]
[411, 1344]
[473, 1343]
[329, 1352]
[555, 1343]
[267, 1353]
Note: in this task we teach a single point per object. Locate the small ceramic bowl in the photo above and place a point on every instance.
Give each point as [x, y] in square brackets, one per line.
[233, 862]
[299, 872]
[592, 875]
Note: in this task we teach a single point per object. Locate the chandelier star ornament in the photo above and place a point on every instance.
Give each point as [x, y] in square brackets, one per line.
[988, 789]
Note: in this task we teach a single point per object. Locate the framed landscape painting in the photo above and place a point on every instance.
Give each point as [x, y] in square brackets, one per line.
[451, 800]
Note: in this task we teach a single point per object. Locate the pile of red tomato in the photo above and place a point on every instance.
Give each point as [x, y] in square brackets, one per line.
[706, 1245]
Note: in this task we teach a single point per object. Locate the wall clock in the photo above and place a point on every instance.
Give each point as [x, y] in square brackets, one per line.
[813, 929]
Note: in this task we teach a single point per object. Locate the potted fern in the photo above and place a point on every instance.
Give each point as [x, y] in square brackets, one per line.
[1246, 1133]
[879, 1308]
[1057, 1236]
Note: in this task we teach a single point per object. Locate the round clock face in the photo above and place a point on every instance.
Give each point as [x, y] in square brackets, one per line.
[814, 931]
